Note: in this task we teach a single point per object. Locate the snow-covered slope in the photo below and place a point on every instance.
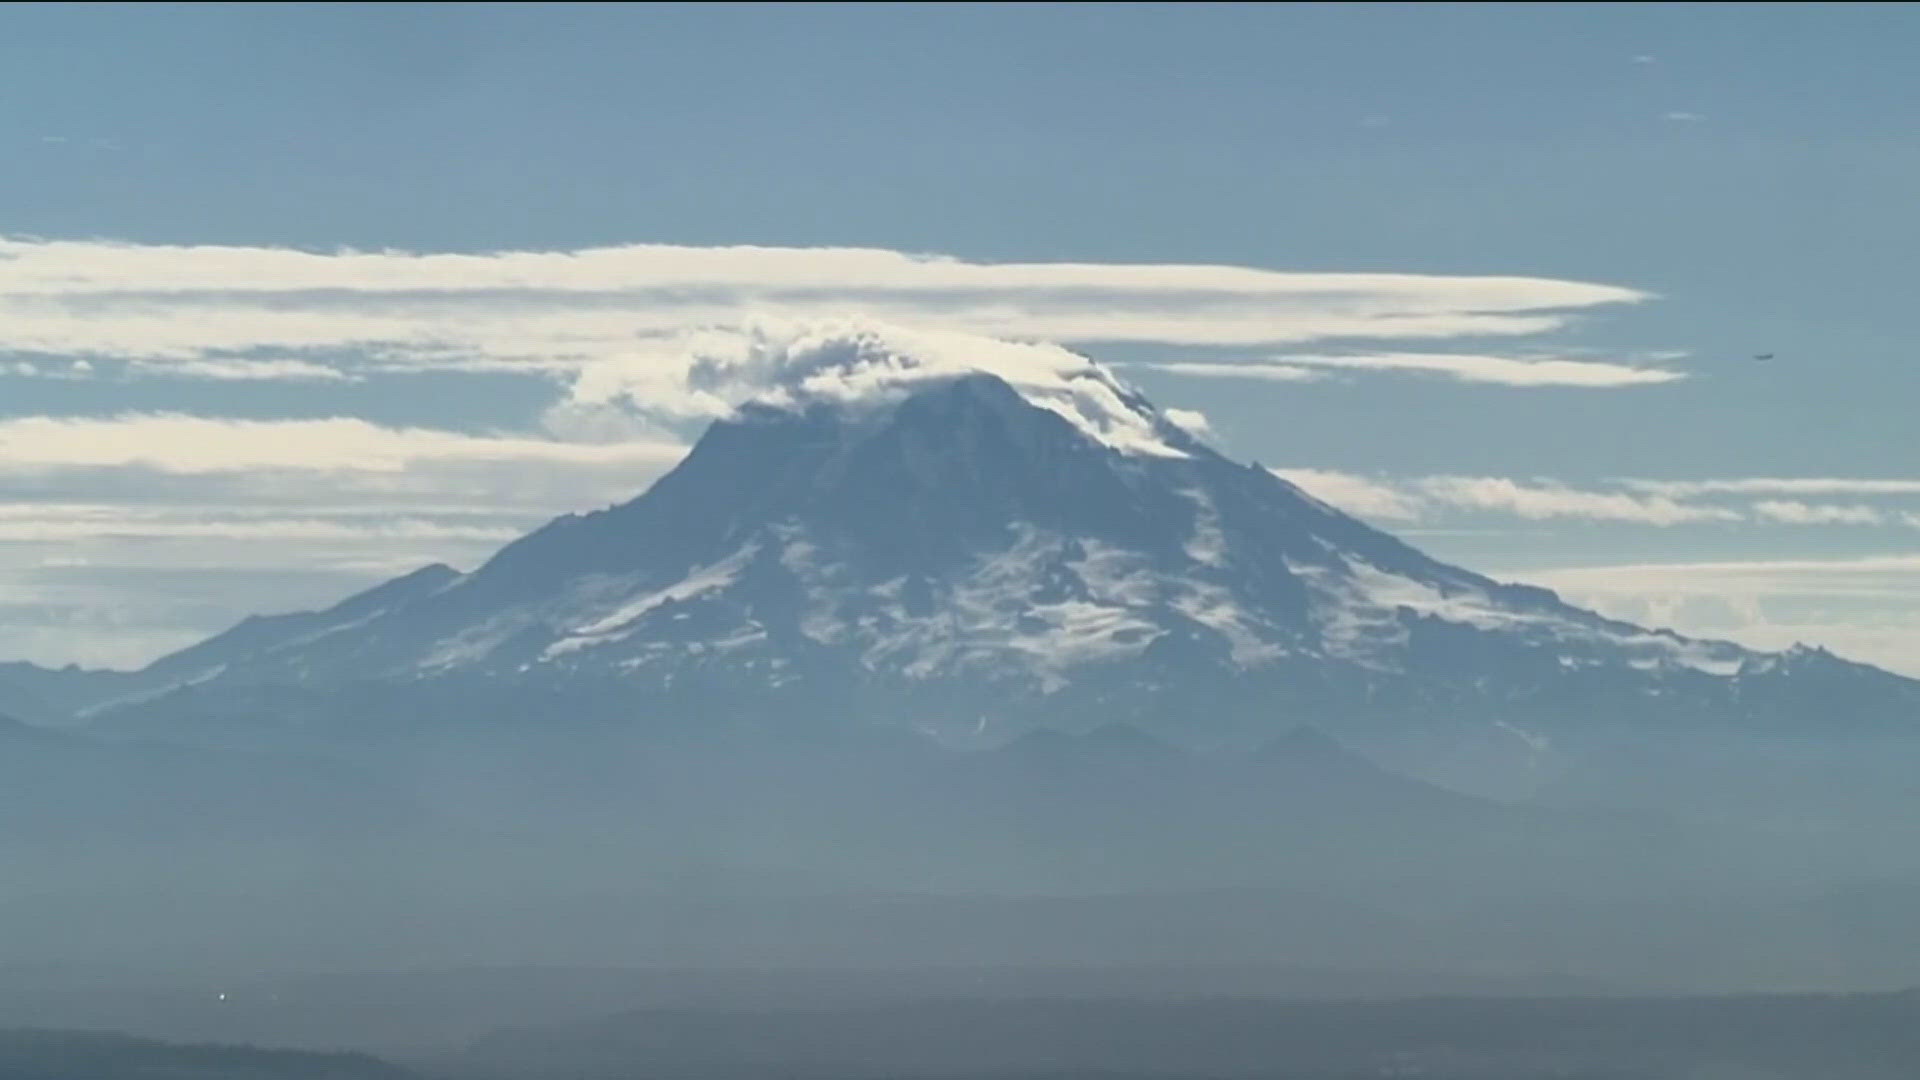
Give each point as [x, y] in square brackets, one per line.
[965, 558]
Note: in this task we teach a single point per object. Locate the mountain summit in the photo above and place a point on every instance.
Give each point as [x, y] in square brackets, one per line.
[970, 560]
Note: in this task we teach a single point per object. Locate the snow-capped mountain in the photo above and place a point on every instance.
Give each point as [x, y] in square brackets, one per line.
[974, 559]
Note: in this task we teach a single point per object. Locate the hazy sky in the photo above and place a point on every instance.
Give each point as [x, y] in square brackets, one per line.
[1503, 273]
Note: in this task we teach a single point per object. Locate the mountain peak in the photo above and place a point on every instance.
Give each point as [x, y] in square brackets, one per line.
[860, 366]
[1098, 408]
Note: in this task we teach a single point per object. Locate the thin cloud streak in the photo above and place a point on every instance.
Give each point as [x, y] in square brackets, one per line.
[1500, 370]
[1376, 500]
[34, 267]
[176, 443]
[1800, 513]
[1505, 370]
[557, 311]
[1775, 485]
[1659, 503]
[1252, 370]
[264, 370]
[1540, 501]
[188, 523]
[1424, 498]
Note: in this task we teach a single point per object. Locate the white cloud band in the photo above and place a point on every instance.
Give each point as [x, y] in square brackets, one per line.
[1499, 370]
[175, 443]
[558, 310]
[1660, 503]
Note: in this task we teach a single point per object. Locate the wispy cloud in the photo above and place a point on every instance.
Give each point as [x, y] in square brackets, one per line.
[1680, 116]
[1794, 512]
[1501, 370]
[1427, 497]
[1779, 485]
[215, 369]
[1251, 370]
[560, 310]
[57, 369]
[174, 443]
[68, 523]
[1648, 502]
[1376, 500]
[1191, 420]
[1539, 501]
[249, 370]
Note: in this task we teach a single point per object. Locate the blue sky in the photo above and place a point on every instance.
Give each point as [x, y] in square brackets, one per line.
[192, 432]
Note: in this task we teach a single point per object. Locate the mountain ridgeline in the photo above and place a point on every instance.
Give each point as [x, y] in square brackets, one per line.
[973, 565]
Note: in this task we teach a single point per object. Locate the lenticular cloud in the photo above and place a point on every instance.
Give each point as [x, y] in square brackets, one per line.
[557, 311]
